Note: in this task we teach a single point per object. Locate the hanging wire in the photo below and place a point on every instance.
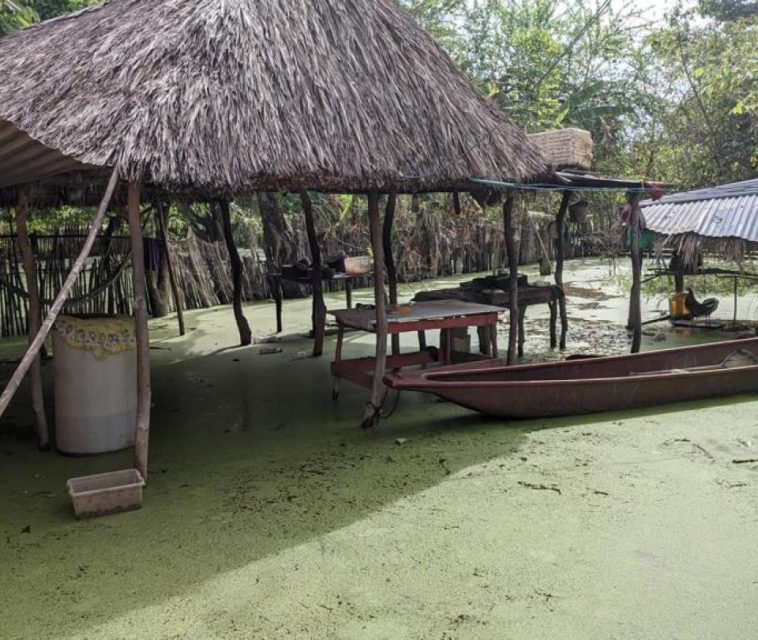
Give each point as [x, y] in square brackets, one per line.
[564, 187]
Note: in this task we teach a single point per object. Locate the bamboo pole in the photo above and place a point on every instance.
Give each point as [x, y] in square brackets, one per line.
[34, 318]
[39, 339]
[371, 415]
[163, 230]
[510, 244]
[246, 335]
[318, 314]
[635, 301]
[389, 260]
[142, 427]
[560, 250]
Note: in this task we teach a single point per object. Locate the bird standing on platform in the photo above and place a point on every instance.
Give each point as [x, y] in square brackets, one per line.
[698, 309]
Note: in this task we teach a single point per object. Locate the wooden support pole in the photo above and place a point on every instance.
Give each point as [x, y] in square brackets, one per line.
[142, 427]
[55, 309]
[34, 318]
[274, 233]
[163, 230]
[521, 331]
[457, 203]
[679, 278]
[318, 314]
[553, 321]
[510, 245]
[389, 260]
[560, 250]
[378, 390]
[635, 301]
[275, 284]
[246, 335]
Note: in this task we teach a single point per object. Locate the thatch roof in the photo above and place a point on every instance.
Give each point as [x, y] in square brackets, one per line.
[226, 97]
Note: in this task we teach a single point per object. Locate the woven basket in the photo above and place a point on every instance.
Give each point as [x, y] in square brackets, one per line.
[565, 147]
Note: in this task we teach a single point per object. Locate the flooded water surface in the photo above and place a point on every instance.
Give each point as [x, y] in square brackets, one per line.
[270, 514]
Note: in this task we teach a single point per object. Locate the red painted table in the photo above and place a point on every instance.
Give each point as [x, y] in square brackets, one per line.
[423, 316]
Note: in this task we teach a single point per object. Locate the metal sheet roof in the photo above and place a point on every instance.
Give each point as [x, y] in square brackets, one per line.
[727, 211]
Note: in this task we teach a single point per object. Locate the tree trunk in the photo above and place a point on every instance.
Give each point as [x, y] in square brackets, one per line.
[635, 301]
[142, 428]
[158, 284]
[560, 252]
[279, 243]
[34, 319]
[378, 390]
[510, 245]
[389, 260]
[246, 335]
[318, 314]
[162, 214]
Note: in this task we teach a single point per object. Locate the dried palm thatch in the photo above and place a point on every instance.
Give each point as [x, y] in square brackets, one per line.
[692, 246]
[220, 98]
[565, 147]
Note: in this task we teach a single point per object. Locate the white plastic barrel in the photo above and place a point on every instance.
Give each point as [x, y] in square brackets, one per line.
[95, 371]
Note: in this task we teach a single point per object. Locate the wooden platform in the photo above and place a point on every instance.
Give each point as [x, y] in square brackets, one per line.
[445, 315]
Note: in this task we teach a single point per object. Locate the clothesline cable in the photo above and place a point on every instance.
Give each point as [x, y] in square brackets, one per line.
[564, 187]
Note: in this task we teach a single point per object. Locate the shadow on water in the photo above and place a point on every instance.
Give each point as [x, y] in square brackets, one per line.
[249, 457]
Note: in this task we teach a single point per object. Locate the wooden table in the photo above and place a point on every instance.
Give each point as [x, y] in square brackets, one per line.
[445, 315]
[527, 296]
[275, 284]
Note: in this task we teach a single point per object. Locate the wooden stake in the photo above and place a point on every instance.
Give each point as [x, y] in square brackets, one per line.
[371, 415]
[560, 250]
[635, 301]
[163, 230]
[142, 428]
[389, 260]
[510, 245]
[318, 314]
[34, 319]
[39, 339]
[246, 335]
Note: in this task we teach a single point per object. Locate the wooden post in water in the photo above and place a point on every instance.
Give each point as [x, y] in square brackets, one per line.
[142, 427]
[318, 313]
[163, 230]
[275, 236]
[246, 335]
[510, 245]
[34, 318]
[39, 339]
[389, 260]
[560, 250]
[378, 390]
[635, 301]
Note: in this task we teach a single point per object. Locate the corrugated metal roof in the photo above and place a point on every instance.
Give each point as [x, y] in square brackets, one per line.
[727, 211]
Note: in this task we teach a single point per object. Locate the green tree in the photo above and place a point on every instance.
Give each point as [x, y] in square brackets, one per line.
[710, 123]
[15, 15]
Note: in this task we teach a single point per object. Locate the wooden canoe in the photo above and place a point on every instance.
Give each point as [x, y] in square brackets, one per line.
[592, 385]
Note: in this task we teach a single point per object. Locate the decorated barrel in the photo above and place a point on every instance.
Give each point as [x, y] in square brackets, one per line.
[95, 371]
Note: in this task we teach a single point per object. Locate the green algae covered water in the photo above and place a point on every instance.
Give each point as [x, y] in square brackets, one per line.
[270, 514]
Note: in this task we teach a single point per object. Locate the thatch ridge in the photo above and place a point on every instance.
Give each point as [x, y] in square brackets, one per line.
[231, 96]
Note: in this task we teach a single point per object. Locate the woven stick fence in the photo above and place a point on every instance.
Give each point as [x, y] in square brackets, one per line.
[431, 240]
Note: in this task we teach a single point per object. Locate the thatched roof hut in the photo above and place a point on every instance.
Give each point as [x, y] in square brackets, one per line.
[222, 98]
